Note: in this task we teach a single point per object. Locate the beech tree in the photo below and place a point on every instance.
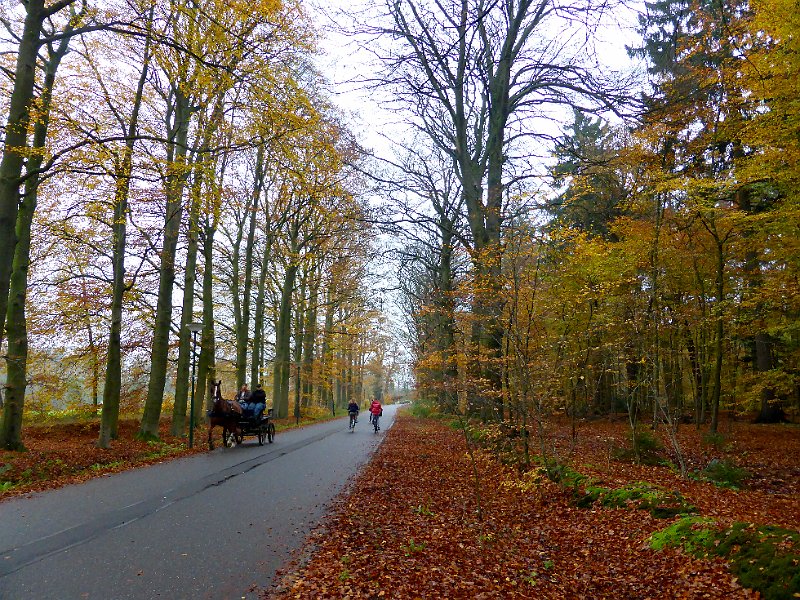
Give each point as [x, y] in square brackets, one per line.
[14, 292]
[17, 138]
[470, 72]
[225, 40]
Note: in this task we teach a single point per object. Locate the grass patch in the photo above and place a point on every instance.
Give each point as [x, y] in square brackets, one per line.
[723, 473]
[159, 449]
[423, 509]
[412, 547]
[104, 466]
[423, 408]
[660, 503]
[765, 559]
[563, 475]
[643, 448]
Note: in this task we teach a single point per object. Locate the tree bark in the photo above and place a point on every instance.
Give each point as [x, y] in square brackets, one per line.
[206, 372]
[326, 369]
[113, 379]
[243, 330]
[175, 183]
[16, 145]
[283, 334]
[309, 337]
[17, 353]
[257, 365]
[298, 342]
[185, 349]
[718, 338]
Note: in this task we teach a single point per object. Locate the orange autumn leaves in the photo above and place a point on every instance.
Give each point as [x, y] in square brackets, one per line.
[409, 529]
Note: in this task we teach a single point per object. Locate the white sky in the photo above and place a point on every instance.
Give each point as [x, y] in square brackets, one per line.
[343, 59]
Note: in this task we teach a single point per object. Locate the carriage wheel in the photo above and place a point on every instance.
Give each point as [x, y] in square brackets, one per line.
[271, 432]
[262, 434]
[238, 437]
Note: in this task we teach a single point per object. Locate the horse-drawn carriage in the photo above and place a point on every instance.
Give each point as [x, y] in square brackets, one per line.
[235, 423]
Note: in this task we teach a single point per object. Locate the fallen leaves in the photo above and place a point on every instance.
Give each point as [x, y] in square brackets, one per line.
[62, 454]
[423, 539]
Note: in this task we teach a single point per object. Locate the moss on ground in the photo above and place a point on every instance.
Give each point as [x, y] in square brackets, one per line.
[764, 558]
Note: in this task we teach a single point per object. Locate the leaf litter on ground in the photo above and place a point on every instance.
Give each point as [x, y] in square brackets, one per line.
[410, 527]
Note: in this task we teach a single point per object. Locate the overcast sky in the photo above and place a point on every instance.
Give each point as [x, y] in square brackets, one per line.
[342, 60]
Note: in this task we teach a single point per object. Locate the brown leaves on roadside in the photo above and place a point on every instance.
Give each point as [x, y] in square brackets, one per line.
[63, 454]
[410, 529]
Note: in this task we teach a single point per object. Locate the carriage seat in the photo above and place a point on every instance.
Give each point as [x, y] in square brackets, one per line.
[248, 415]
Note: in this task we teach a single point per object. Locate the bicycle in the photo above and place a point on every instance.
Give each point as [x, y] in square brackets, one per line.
[375, 423]
[353, 421]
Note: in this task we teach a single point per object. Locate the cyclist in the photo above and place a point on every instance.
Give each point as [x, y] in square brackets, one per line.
[376, 410]
[352, 410]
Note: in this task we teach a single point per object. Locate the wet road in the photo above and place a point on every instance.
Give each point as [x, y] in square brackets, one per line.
[213, 526]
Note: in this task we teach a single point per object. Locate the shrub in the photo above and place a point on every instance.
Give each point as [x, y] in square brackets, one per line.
[765, 559]
[723, 473]
[422, 408]
[660, 503]
[647, 449]
[714, 439]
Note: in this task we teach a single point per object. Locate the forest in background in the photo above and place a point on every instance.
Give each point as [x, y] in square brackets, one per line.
[167, 163]
[656, 276]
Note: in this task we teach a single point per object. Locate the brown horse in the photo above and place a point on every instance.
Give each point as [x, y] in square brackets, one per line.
[224, 414]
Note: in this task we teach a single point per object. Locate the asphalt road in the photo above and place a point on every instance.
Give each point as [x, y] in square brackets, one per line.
[213, 526]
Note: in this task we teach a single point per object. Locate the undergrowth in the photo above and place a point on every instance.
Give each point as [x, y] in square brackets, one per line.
[643, 448]
[764, 558]
[724, 473]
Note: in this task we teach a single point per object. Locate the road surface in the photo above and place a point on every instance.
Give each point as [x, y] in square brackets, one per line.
[214, 526]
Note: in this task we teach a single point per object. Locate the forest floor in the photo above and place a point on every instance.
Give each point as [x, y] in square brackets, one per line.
[425, 520]
[60, 454]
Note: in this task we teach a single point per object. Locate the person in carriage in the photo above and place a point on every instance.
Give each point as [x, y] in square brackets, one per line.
[258, 402]
[253, 403]
[243, 397]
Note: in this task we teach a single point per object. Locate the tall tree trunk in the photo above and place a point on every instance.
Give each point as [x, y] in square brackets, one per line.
[771, 410]
[15, 145]
[348, 374]
[243, 330]
[298, 342]
[445, 337]
[17, 353]
[283, 334]
[490, 252]
[185, 345]
[176, 178]
[94, 360]
[718, 338]
[341, 370]
[257, 366]
[185, 349]
[309, 337]
[113, 379]
[326, 368]
[694, 363]
[206, 363]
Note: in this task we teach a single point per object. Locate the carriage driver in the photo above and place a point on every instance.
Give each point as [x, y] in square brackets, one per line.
[258, 402]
